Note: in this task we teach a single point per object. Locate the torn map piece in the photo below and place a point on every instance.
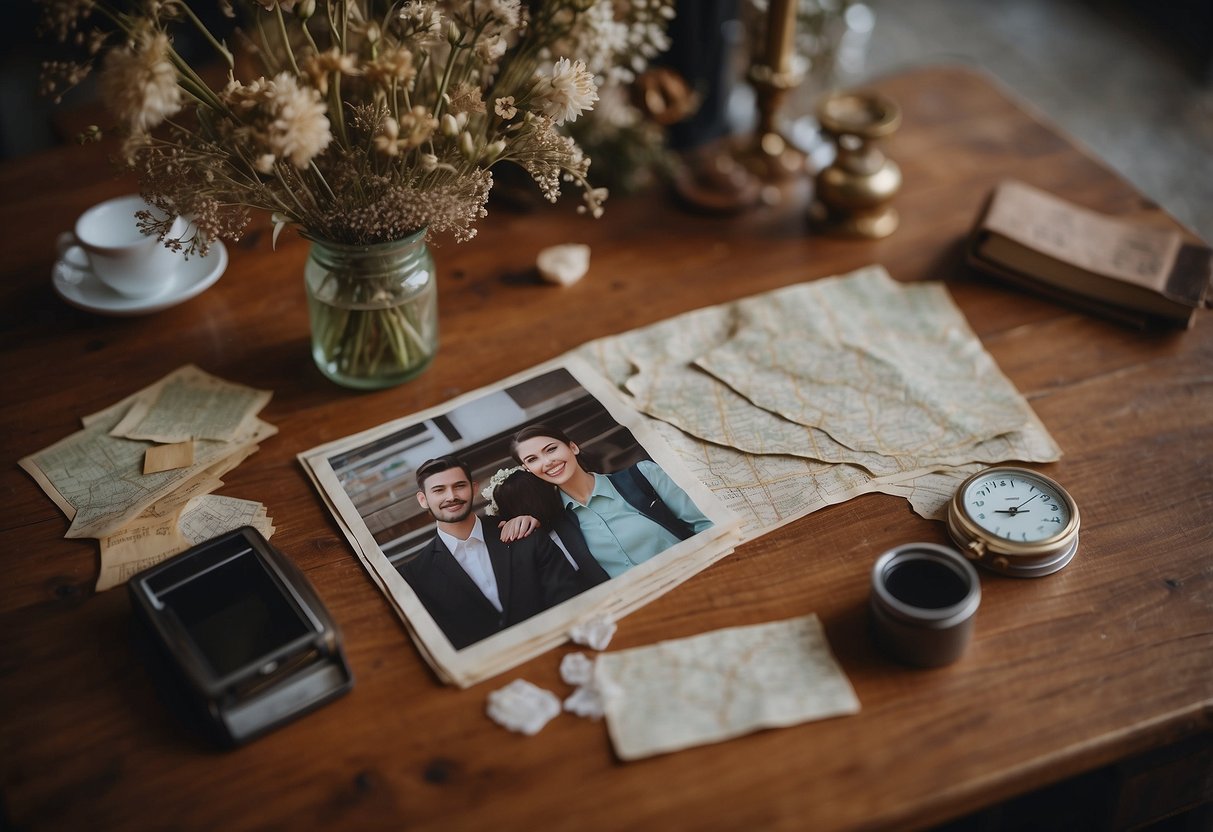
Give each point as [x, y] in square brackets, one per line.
[723, 684]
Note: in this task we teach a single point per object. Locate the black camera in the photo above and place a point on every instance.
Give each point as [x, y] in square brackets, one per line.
[244, 632]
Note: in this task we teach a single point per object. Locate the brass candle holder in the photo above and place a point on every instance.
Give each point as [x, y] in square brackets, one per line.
[770, 155]
[853, 194]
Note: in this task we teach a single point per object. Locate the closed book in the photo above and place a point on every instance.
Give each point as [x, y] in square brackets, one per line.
[1130, 272]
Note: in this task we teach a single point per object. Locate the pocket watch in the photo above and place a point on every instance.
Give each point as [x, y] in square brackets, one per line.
[1014, 521]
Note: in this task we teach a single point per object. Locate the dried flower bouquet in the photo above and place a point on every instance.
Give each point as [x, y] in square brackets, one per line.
[364, 120]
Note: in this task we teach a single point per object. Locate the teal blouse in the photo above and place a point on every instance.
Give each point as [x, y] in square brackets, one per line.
[619, 536]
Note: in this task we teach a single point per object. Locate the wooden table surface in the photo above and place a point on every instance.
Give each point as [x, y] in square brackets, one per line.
[1110, 658]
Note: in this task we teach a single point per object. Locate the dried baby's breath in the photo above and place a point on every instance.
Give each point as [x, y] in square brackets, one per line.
[365, 121]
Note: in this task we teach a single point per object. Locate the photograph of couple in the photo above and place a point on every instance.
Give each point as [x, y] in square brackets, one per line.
[553, 528]
[506, 504]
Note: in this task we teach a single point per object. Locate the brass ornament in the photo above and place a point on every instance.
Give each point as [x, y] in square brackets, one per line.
[853, 194]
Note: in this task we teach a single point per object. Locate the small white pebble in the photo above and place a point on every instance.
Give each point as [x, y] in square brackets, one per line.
[565, 264]
[576, 669]
[523, 707]
[586, 701]
[595, 632]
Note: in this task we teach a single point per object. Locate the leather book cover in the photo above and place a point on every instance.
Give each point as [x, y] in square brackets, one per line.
[1132, 273]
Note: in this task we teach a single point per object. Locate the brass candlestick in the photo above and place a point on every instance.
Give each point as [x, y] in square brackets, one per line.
[771, 156]
[853, 194]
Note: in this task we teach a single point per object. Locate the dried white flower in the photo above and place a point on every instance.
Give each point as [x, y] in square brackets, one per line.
[300, 130]
[507, 13]
[139, 84]
[387, 140]
[321, 66]
[392, 66]
[505, 108]
[421, 22]
[282, 120]
[568, 92]
[500, 476]
[490, 48]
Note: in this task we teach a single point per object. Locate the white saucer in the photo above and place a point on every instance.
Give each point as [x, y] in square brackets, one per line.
[81, 288]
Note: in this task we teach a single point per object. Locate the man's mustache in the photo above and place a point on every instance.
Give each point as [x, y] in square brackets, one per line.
[453, 504]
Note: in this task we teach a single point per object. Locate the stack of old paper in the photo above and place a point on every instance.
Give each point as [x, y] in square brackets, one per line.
[800, 398]
[139, 475]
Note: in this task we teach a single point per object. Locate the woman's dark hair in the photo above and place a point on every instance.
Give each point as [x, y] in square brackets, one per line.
[537, 429]
[524, 493]
[586, 460]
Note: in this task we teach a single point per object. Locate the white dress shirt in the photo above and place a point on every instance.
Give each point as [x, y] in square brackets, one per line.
[473, 555]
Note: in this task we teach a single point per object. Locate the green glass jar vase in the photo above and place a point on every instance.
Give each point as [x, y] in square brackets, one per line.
[373, 310]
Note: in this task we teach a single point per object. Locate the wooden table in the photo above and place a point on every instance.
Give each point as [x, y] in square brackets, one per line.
[1108, 660]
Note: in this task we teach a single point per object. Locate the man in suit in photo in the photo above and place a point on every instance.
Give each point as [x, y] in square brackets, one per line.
[472, 584]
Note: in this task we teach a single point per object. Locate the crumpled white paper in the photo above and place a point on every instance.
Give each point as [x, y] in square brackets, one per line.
[586, 701]
[576, 669]
[594, 632]
[523, 707]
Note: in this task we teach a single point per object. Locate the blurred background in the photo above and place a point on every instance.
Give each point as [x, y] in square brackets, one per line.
[1132, 80]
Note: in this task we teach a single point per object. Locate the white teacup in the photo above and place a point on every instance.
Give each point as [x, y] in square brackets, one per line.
[122, 257]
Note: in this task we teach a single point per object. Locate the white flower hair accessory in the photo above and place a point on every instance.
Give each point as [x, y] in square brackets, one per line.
[497, 479]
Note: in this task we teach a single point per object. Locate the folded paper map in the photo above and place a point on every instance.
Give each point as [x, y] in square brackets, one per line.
[97, 475]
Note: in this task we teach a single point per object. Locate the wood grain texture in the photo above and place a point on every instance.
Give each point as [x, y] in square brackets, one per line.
[1108, 658]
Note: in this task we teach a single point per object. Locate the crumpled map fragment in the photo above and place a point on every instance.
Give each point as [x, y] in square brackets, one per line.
[719, 685]
[765, 490]
[771, 470]
[929, 494]
[881, 366]
[523, 707]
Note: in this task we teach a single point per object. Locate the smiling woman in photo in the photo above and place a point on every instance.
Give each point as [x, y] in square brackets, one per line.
[626, 517]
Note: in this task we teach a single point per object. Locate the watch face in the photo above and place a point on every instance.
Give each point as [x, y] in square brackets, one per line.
[1016, 506]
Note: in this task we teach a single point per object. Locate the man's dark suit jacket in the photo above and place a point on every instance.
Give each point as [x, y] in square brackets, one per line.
[532, 575]
[589, 571]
